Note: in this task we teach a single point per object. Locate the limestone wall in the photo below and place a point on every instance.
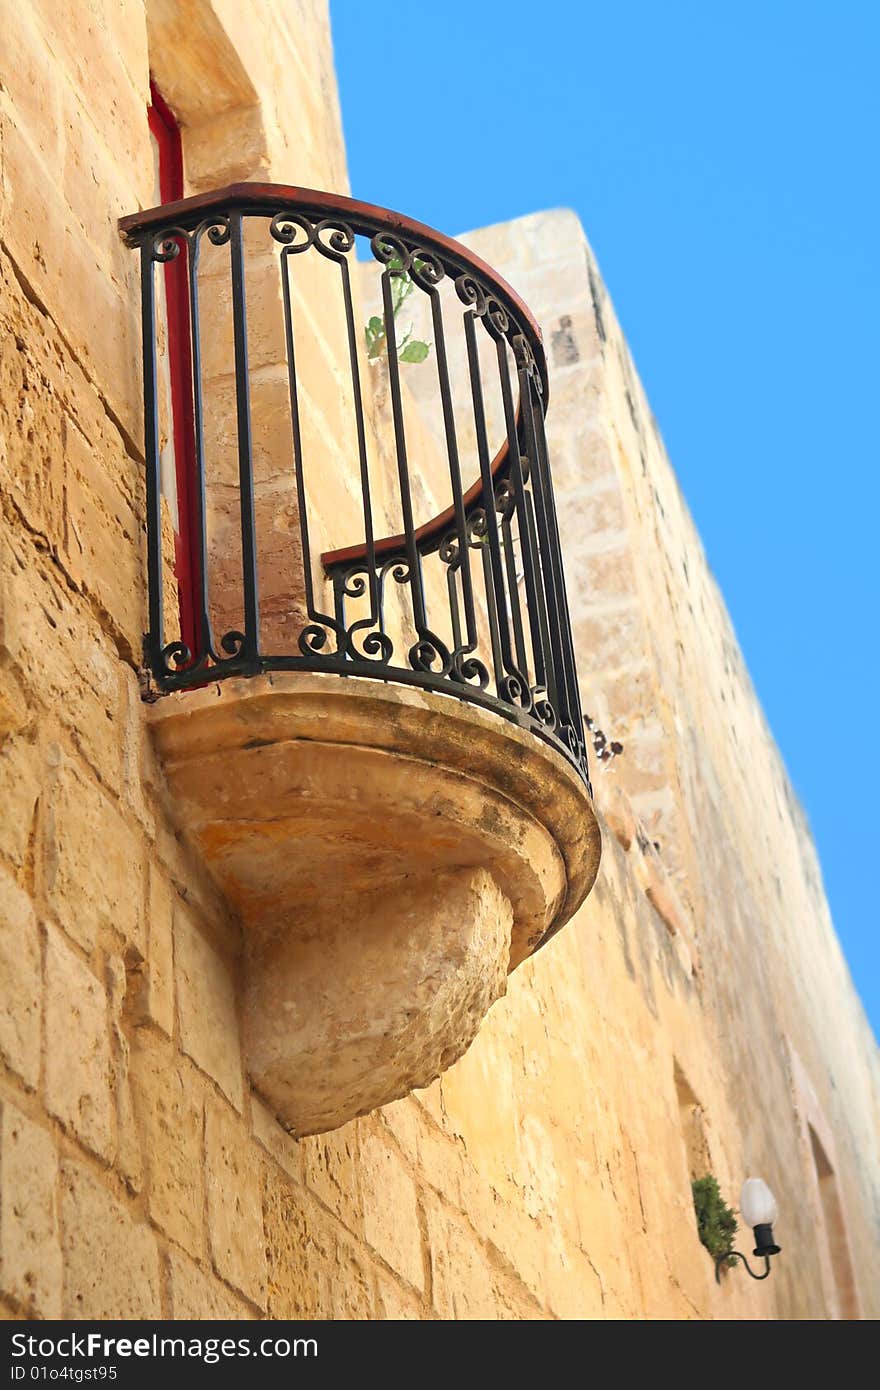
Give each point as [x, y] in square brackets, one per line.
[661, 670]
[547, 1174]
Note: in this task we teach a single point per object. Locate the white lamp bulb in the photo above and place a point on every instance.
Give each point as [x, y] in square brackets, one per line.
[757, 1203]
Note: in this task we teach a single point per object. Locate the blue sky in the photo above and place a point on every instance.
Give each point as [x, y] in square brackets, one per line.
[723, 160]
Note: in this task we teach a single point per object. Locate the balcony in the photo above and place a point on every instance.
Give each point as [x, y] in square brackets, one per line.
[366, 701]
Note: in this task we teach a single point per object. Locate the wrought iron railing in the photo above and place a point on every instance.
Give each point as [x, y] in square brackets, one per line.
[467, 599]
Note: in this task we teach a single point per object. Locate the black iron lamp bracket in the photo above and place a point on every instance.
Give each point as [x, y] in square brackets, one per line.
[735, 1255]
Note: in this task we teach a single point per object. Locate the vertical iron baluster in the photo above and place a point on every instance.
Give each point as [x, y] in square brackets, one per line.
[315, 614]
[376, 614]
[514, 686]
[492, 614]
[339, 599]
[513, 596]
[203, 623]
[545, 675]
[429, 646]
[455, 615]
[154, 639]
[251, 647]
[467, 589]
[566, 641]
[549, 550]
[382, 581]
[517, 481]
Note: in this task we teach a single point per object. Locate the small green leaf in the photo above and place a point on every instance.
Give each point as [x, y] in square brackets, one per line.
[415, 352]
[375, 325]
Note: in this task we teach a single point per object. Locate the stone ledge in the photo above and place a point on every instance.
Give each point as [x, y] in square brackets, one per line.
[313, 800]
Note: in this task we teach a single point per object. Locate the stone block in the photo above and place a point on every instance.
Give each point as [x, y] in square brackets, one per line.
[32, 422]
[90, 170]
[92, 860]
[97, 315]
[20, 982]
[155, 1000]
[281, 1146]
[30, 1249]
[111, 1262]
[103, 548]
[461, 1274]
[331, 1164]
[120, 976]
[573, 1289]
[228, 148]
[31, 85]
[169, 1105]
[206, 1006]
[77, 1047]
[617, 809]
[396, 1302]
[235, 1213]
[199, 1297]
[391, 1209]
[100, 49]
[13, 709]
[63, 660]
[314, 1271]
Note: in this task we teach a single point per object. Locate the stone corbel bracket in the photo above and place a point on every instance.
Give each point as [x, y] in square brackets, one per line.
[391, 854]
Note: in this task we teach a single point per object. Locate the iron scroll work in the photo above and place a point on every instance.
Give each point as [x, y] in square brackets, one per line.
[478, 591]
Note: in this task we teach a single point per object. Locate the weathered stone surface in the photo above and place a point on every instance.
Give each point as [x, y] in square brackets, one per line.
[314, 1271]
[156, 994]
[278, 1143]
[77, 1047]
[308, 830]
[337, 1023]
[64, 662]
[88, 896]
[19, 788]
[111, 1263]
[120, 983]
[206, 1006]
[30, 1250]
[235, 1217]
[197, 1296]
[13, 707]
[304, 743]
[393, 1231]
[101, 552]
[20, 982]
[543, 1173]
[170, 1106]
[462, 1277]
[331, 1167]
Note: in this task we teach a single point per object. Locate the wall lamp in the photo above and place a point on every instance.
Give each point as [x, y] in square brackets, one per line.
[758, 1207]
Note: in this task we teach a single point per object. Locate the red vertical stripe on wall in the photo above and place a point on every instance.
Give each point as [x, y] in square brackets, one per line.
[166, 132]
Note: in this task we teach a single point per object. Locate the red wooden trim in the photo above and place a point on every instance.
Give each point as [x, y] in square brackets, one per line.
[164, 127]
[166, 132]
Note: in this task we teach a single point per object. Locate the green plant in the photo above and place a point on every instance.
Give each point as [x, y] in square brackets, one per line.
[409, 349]
[716, 1222]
